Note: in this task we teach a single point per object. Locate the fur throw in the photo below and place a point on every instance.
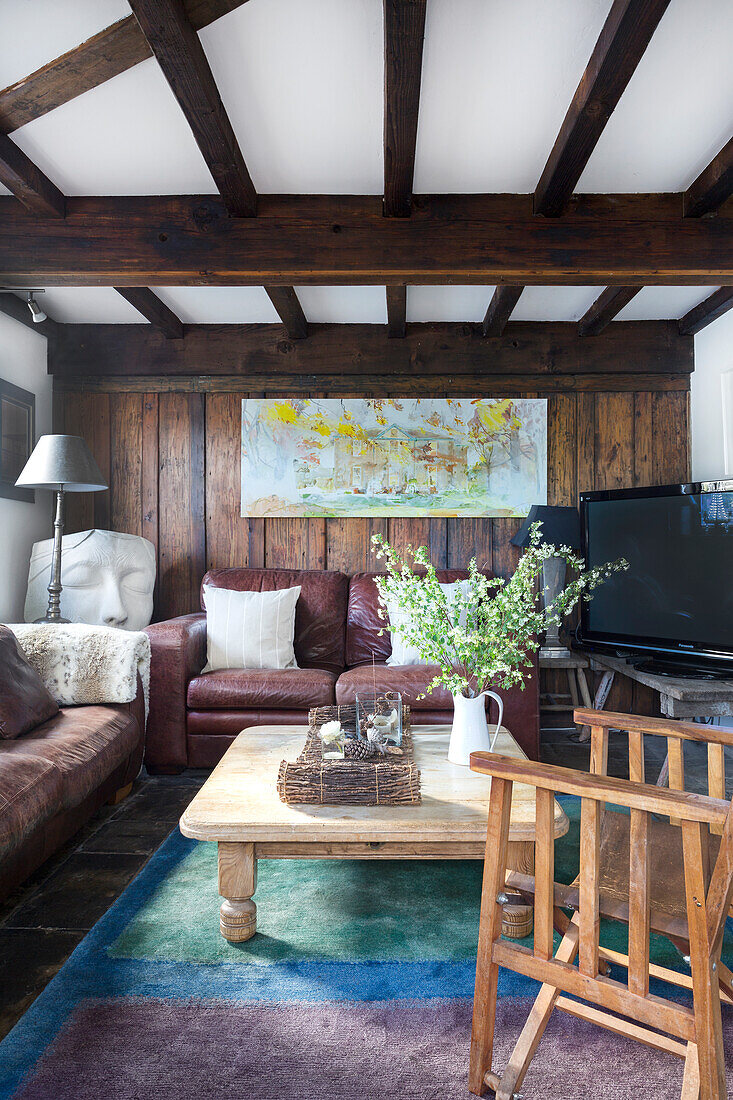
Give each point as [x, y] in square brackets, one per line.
[81, 664]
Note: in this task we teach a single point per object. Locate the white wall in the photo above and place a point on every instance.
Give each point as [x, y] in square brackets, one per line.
[22, 362]
[713, 357]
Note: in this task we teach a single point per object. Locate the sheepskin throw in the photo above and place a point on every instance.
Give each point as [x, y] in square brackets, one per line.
[81, 664]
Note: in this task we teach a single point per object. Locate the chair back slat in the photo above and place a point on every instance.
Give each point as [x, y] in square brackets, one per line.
[703, 964]
[720, 890]
[639, 910]
[675, 758]
[637, 771]
[599, 750]
[590, 851]
[716, 776]
[544, 863]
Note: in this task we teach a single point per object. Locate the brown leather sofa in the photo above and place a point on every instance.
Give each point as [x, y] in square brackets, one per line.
[194, 718]
[56, 774]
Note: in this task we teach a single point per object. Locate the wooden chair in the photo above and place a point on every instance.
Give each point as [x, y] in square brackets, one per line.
[703, 828]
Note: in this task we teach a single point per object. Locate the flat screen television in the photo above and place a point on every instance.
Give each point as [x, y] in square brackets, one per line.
[675, 602]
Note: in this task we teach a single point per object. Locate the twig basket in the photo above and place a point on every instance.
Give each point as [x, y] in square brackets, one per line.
[384, 781]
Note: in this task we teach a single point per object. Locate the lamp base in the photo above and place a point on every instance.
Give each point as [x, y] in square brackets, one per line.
[554, 653]
[49, 619]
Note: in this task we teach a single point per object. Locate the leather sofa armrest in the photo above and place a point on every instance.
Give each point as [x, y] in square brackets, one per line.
[522, 712]
[178, 653]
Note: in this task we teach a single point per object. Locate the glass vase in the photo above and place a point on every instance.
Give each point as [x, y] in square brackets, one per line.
[379, 716]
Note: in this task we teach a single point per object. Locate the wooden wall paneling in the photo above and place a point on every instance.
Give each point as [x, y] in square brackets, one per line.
[126, 463]
[231, 539]
[670, 425]
[586, 441]
[182, 535]
[87, 415]
[643, 439]
[469, 538]
[149, 489]
[349, 544]
[420, 531]
[614, 440]
[562, 474]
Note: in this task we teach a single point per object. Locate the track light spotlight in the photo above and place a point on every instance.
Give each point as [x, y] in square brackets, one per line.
[36, 312]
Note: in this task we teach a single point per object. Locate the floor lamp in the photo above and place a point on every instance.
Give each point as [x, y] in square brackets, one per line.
[65, 464]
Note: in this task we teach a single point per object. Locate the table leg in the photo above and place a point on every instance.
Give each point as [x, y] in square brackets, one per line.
[237, 884]
[517, 920]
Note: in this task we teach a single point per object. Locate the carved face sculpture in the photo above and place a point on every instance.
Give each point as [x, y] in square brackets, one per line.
[107, 579]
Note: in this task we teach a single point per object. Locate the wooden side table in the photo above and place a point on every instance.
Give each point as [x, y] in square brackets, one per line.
[575, 665]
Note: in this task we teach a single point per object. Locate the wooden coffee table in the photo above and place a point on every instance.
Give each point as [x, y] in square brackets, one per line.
[239, 808]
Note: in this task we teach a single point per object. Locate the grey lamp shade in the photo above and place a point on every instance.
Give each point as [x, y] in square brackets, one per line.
[62, 462]
[560, 526]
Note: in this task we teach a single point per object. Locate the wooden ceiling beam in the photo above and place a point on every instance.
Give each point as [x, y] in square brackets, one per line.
[151, 307]
[396, 312]
[604, 309]
[27, 182]
[501, 307]
[549, 350]
[111, 52]
[707, 312]
[619, 49]
[712, 187]
[619, 240]
[13, 306]
[178, 50]
[289, 310]
[404, 32]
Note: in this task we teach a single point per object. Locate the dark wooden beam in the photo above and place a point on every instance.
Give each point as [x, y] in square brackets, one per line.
[157, 312]
[289, 310]
[620, 46]
[707, 312]
[111, 52]
[619, 240]
[604, 309]
[404, 31]
[713, 186]
[253, 352]
[15, 307]
[500, 309]
[397, 312]
[178, 50]
[27, 182]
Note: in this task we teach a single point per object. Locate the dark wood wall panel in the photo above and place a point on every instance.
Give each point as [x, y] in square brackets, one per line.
[181, 489]
[173, 464]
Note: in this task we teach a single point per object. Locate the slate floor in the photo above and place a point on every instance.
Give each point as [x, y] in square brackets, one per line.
[41, 924]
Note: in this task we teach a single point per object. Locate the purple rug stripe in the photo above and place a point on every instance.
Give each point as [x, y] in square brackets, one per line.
[407, 1050]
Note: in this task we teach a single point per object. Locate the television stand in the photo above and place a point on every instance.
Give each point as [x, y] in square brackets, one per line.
[679, 696]
[679, 670]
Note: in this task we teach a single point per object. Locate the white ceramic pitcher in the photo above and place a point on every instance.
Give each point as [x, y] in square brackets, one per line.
[470, 731]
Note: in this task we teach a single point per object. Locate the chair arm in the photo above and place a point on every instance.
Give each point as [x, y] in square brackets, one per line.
[661, 727]
[603, 788]
[178, 653]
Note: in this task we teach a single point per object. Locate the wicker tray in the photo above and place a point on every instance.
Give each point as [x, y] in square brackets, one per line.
[385, 781]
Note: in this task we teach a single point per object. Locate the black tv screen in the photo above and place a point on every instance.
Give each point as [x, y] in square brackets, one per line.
[677, 595]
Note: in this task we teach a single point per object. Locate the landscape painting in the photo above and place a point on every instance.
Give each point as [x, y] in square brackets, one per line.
[401, 457]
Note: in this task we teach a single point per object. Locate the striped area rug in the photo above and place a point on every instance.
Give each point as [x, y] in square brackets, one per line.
[358, 984]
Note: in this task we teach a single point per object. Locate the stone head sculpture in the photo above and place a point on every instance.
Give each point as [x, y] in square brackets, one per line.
[107, 579]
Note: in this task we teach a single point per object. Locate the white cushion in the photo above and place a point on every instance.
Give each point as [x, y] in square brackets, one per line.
[402, 652]
[250, 629]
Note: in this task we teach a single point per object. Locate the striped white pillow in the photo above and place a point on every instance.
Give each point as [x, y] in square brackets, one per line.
[250, 629]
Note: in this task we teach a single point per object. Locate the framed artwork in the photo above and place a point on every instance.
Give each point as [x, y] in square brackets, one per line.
[397, 457]
[17, 433]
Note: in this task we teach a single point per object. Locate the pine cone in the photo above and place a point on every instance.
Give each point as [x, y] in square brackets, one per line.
[357, 749]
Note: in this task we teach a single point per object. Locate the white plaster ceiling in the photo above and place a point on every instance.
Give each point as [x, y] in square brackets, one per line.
[661, 302]
[88, 305]
[219, 304]
[302, 81]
